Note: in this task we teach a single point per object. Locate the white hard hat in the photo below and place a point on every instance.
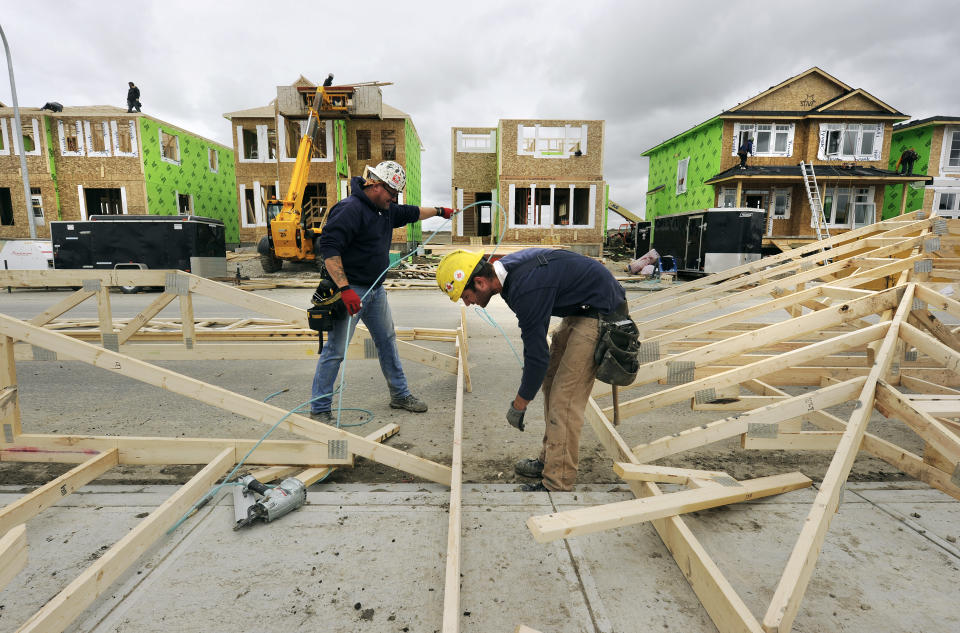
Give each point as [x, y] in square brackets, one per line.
[389, 172]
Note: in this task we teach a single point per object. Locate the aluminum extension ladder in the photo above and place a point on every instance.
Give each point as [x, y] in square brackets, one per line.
[816, 204]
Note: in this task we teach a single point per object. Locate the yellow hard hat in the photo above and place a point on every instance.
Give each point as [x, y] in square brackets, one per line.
[454, 271]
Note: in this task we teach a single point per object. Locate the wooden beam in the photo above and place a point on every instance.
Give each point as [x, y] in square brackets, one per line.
[64, 305]
[63, 608]
[32, 504]
[799, 568]
[222, 398]
[800, 441]
[737, 425]
[451, 590]
[9, 414]
[664, 474]
[892, 404]
[550, 527]
[13, 553]
[144, 317]
[313, 475]
[925, 386]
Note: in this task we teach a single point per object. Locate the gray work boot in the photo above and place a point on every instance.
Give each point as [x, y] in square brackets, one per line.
[410, 403]
[529, 468]
[321, 416]
[537, 487]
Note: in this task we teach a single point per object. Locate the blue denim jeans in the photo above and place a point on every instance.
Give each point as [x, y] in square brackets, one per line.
[375, 314]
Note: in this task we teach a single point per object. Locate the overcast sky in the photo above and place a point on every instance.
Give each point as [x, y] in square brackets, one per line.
[649, 69]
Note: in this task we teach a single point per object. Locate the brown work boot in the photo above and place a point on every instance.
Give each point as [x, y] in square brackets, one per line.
[410, 403]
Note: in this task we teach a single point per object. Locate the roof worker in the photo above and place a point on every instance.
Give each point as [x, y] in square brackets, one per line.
[595, 339]
[355, 246]
[328, 81]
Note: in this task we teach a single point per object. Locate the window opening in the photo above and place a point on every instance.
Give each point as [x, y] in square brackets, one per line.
[251, 149]
[561, 206]
[103, 201]
[388, 144]
[185, 203]
[213, 159]
[6, 207]
[169, 147]
[581, 206]
[363, 144]
[37, 202]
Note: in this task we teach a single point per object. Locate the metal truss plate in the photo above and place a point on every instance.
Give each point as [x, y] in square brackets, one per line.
[369, 348]
[940, 226]
[8, 433]
[680, 371]
[188, 342]
[727, 481]
[762, 430]
[923, 266]
[91, 285]
[177, 284]
[336, 449]
[921, 215]
[933, 244]
[955, 478]
[40, 353]
[806, 265]
[919, 304]
[910, 355]
[705, 395]
[111, 341]
[649, 352]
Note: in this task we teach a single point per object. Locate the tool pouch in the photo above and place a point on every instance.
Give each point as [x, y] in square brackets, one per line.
[617, 352]
[327, 309]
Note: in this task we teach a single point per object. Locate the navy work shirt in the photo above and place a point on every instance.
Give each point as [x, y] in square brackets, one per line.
[569, 284]
[359, 233]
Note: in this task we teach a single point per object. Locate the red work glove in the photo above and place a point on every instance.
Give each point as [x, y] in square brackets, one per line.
[445, 212]
[350, 299]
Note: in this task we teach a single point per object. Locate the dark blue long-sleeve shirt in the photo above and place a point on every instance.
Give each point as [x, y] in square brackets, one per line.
[359, 233]
[568, 285]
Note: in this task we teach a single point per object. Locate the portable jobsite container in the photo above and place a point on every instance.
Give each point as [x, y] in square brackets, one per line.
[710, 240]
[160, 242]
[26, 255]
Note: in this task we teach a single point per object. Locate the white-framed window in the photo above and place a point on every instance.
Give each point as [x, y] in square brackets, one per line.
[36, 198]
[477, 143]
[213, 160]
[29, 137]
[546, 141]
[846, 207]
[4, 138]
[124, 137]
[101, 201]
[850, 141]
[946, 202]
[950, 156]
[170, 147]
[769, 139]
[256, 143]
[291, 131]
[97, 136]
[552, 206]
[251, 206]
[682, 166]
[727, 197]
[71, 137]
[780, 204]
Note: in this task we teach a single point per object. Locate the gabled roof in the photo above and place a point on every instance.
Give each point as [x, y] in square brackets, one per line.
[795, 78]
[933, 120]
[854, 93]
[263, 112]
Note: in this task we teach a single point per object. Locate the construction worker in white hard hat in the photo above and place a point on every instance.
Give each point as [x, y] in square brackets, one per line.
[595, 340]
[355, 246]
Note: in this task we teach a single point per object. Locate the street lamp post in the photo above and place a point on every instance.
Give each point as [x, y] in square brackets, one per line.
[18, 135]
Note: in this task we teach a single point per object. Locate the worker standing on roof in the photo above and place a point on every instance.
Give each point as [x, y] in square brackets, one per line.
[328, 81]
[355, 246]
[595, 340]
[133, 97]
[745, 149]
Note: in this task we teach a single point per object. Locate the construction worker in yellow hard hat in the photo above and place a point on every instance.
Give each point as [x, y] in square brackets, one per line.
[596, 339]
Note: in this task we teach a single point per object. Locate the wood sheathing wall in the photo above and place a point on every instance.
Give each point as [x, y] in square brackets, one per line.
[106, 172]
[375, 127]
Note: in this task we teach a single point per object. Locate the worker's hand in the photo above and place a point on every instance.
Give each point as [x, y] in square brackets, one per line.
[445, 212]
[515, 417]
[350, 299]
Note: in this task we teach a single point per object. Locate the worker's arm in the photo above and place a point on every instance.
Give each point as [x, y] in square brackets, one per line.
[432, 212]
[520, 403]
[335, 269]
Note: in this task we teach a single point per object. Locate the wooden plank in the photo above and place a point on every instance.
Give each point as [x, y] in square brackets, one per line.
[257, 303]
[451, 591]
[799, 568]
[663, 474]
[940, 353]
[13, 553]
[464, 349]
[550, 527]
[105, 314]
[267, 475]
[892, 404]
[32, 504]
[186, 320]
[63, 608]
[926, 320]
[8, 401]
[222, 398]
[755, 370]
[739, 424]
[801, 441]
[313, 475]
[64, 305]
[137, 322]
[141, 451]
[10, 414]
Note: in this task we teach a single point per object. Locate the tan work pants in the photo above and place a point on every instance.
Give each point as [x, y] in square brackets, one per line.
[566, 390]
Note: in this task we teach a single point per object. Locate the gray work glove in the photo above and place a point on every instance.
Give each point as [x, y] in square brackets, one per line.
[515, 417]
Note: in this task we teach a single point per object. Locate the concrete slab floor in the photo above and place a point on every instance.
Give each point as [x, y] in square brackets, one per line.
[370, 557]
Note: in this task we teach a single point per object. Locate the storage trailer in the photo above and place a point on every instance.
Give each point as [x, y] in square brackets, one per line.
[710, 240]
